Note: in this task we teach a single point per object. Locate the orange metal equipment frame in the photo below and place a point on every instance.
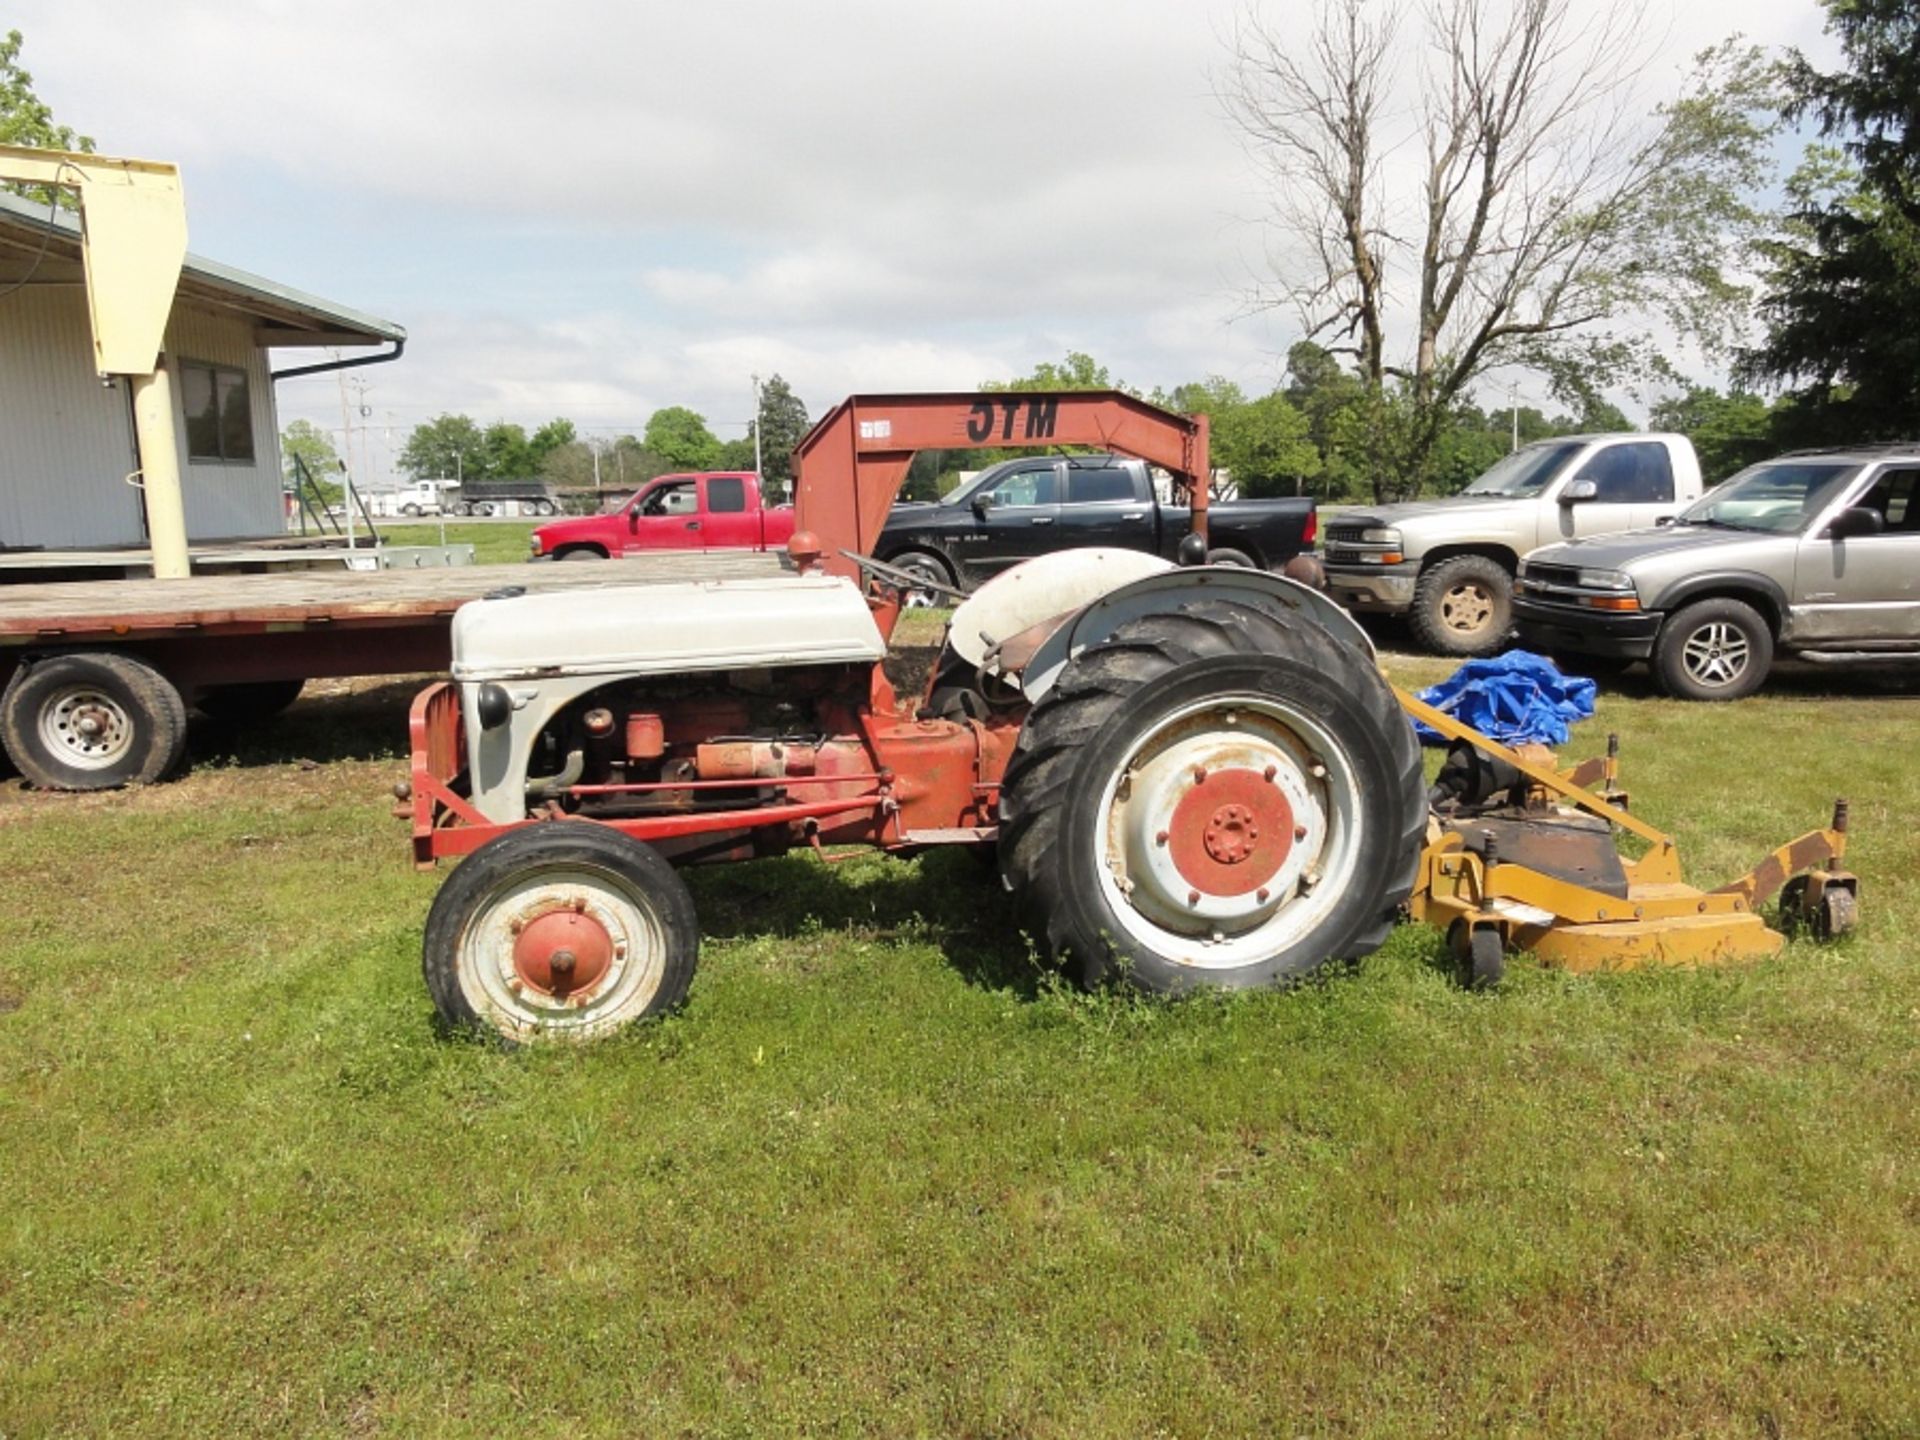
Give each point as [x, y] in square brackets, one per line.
[853, 462]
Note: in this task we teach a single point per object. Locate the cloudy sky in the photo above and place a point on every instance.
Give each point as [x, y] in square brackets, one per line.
[595, 209]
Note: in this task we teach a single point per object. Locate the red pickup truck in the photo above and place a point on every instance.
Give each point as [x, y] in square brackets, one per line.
[715, 511]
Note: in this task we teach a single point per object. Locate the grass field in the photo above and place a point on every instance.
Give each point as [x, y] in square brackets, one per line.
[883, 1176]
[495, 542]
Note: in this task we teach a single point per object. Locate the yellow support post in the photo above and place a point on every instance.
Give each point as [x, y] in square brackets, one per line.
[133, 242]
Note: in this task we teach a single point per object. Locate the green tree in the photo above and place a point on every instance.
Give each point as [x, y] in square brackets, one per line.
[1843, 280]
[734, 455]
[550, 437]
[303, 442]
[1544, 213]
[26, 120]
[1729, 432]
[1267, 445]
[1079, 371]
[506, 453]
[681, 439]
[782, 425]
[444, 448]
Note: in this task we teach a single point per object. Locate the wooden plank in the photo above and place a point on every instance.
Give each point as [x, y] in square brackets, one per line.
[306, 597]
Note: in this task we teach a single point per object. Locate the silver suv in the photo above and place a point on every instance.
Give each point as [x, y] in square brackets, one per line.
[1815, 554]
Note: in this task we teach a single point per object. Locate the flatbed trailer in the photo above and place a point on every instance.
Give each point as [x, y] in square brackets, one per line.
[96, 676]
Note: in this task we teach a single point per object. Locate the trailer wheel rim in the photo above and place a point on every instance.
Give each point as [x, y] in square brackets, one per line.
[84, 727]
[1716, 653]
[563, 950]
[1230, 830]
[1467, 608]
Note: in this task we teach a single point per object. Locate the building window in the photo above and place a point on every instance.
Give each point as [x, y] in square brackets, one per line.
[219, 412]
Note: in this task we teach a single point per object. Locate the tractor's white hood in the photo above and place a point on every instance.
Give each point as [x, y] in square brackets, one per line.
[666, 629]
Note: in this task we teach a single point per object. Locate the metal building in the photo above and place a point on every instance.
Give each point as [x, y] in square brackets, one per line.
[67, 452]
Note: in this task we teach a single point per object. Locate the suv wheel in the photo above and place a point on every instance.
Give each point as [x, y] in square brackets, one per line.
[1463, 606]
[1713, 650]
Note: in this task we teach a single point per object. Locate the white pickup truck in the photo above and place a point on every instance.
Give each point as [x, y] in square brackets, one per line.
[1448, 565]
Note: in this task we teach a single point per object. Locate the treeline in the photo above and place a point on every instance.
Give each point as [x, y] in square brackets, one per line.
[674, 438]
[1323, 432]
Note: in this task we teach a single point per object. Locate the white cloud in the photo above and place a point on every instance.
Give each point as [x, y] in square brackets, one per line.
[653, 200]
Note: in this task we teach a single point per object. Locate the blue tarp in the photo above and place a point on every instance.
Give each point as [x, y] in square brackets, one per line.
[1514, 698]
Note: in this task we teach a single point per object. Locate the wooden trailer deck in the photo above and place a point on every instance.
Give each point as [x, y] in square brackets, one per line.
[118, 610]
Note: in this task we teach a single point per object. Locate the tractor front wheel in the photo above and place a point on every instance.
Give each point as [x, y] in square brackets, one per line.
[560, 930]
[1218, 797]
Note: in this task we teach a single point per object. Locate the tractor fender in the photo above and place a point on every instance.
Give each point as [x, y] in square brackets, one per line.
[1162, 593]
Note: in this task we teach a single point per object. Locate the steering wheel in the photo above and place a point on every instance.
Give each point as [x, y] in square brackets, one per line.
[905, 581]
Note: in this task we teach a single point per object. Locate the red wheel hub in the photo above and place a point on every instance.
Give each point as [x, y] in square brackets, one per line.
[1231, 832]
[562, 951]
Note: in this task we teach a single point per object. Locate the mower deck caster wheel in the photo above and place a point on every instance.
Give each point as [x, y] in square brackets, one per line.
[1483, 958]
[1838, 913]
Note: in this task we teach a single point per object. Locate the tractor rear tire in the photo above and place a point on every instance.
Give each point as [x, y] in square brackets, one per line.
[247, 704]
[1463, 606]
[609, 907]
[1219, 797]
[92, 722]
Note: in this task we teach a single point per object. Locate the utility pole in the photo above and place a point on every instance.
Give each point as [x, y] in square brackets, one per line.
[1513, 404]
[759, 474]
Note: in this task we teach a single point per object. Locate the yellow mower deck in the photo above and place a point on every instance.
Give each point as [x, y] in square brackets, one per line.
[1660, 920]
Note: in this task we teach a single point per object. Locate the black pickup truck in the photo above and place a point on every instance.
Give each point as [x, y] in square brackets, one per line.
[1038, 504]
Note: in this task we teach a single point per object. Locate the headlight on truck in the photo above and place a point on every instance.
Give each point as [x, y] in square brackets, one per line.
[1389, 538]
[1604, 580]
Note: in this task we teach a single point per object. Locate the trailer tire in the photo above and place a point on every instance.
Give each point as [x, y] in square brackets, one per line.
[1463, 606]
[553, 888]
[92, 721]
[1117, 758]
[250, 703]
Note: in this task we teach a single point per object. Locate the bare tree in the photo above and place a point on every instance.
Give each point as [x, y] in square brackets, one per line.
[1483, 185]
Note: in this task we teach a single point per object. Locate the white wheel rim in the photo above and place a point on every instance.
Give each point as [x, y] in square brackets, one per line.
[1228, 782]
[86, 728]
[493, 968]
[1717, 653]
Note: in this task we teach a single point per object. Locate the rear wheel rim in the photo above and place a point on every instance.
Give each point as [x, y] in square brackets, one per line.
[1716, 654]
[86, 728]
[1467, 608]
[563, 950]
[1228, 832]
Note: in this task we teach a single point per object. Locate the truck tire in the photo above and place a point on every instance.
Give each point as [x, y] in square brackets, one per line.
[247, 704]
[1463, 606]
[1220, 797]
[92, 722]
[582, 552]
[1231, 557]
[410, 509]
[928, 564]
[1715, 649]
[612, 909]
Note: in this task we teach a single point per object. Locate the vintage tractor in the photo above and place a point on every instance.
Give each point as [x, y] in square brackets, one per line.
[1193, 776]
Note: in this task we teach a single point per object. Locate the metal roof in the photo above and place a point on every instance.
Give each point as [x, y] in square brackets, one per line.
[287, 317]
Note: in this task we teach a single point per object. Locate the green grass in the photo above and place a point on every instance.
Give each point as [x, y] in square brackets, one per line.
[884, 1177]
[495, 542]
